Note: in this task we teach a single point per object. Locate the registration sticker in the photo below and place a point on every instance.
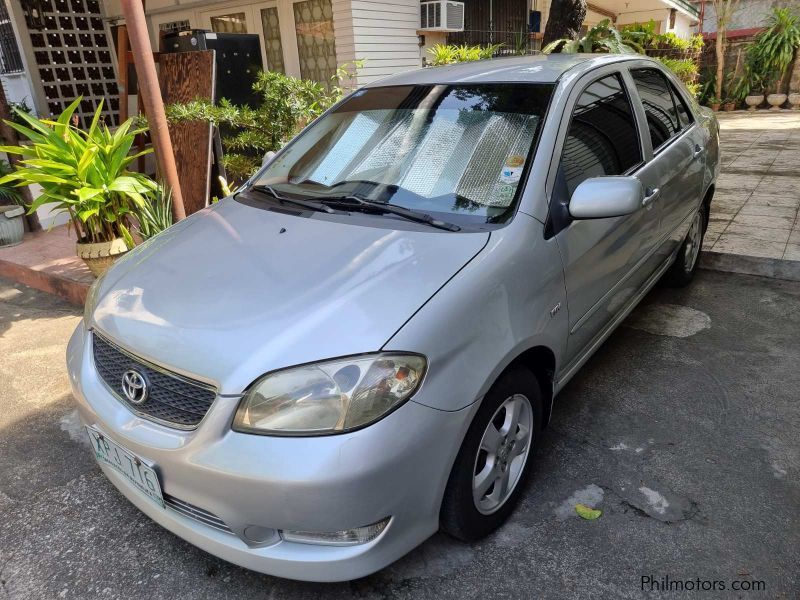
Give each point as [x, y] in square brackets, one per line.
[512, 169]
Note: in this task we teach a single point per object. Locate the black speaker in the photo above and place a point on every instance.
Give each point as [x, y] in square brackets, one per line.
[238, 60]
[535, 21]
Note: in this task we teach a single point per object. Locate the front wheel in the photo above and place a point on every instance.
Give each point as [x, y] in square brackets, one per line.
[494, 460]
[683, 269]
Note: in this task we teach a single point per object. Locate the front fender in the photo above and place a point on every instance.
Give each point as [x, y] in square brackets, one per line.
[499, 305]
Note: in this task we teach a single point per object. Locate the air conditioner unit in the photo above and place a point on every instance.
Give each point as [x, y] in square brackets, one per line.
[442, 15]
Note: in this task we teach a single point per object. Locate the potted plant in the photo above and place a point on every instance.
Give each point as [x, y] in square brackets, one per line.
[84, 173]
[794, 100]
[714, 103]
[729, 104]
[11, 226]
[773, 51]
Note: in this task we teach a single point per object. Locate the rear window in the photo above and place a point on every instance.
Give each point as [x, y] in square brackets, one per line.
[663, 121]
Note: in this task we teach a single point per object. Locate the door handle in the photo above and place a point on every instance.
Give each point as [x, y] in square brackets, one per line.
[697, 151]
[652, 194]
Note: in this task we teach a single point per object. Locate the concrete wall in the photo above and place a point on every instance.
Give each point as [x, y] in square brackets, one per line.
[749, 14]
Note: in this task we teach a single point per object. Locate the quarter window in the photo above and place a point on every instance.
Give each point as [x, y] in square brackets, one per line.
[662, 117]
[602, 137]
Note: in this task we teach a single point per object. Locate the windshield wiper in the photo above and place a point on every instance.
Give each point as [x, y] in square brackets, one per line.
[296, 201]
[352, 201]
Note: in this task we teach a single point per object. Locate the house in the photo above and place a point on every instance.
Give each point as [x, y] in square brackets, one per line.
[54, 50]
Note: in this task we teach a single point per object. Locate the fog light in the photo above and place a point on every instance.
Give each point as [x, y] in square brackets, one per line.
[346, 537]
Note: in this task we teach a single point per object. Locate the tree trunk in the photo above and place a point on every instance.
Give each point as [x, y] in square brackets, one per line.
[720, 48]
[10, 138]
[565, 20]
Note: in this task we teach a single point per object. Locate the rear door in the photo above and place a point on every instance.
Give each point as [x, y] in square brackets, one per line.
[678, 142]
[605, 261]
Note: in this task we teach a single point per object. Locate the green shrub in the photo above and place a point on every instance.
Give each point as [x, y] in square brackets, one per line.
[687, 71]
[603, 37]
[444, 54]
[287, 105]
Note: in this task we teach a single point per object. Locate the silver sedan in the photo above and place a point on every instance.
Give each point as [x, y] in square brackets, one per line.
[362, 346]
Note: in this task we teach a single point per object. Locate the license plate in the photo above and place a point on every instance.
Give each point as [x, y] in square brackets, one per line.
[127, 464]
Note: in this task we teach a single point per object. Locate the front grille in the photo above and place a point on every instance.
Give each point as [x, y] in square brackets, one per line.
[198, 514]
[171, 398]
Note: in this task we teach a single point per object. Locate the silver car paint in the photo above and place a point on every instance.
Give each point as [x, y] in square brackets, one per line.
[224, 298]
[267, 289]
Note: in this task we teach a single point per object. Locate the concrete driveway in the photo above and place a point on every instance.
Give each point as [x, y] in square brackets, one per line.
[683, 430]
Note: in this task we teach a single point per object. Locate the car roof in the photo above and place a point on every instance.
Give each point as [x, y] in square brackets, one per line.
[537, 68]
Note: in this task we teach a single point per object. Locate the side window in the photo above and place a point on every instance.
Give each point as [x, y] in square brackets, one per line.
[662, 117]
[602, 137]
[684, 116]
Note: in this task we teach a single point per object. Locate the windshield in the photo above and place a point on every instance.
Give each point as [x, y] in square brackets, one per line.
[457, 151]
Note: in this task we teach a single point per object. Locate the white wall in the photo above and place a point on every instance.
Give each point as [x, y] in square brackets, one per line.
[18, 88]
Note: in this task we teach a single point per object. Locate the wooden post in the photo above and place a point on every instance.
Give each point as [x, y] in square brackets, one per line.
[122, 68]
[150, 97]
[11, 138]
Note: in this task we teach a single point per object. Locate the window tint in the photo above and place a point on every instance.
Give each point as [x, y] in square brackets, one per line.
[684, 116]
[662, 118]
[602, 137]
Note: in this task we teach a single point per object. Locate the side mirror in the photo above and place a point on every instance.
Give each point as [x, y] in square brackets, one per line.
[267, 157]
[603, 197]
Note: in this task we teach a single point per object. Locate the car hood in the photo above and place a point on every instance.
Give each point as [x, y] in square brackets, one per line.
[236, 291]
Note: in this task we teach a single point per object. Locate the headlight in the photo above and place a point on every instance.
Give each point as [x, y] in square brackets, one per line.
[91, 301]
[331, 396]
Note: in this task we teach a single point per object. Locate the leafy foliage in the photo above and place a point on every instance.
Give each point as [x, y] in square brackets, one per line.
[83, 172]
[770, 55]
[686, 69]
[444, 54]
[154, 215]
[603, 37]
[8, 193]
[287, 105]
[644, 35]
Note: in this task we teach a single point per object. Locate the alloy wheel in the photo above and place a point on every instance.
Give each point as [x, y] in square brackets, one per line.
[502, 454]
[693, 242]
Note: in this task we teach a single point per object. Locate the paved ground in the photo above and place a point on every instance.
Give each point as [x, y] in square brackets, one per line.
[683, 430]
[754, 212]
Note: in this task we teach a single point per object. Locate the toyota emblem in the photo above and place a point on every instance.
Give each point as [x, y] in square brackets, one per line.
[134, 386]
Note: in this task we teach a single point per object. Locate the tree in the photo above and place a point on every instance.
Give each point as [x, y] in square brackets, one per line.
[724, 10]
[565, 20]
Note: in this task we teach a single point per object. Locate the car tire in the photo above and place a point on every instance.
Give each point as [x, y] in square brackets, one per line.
[683, 269]
[470, 510]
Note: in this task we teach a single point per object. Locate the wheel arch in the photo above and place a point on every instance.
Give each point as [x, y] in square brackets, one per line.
[707, 205]
[541, 361]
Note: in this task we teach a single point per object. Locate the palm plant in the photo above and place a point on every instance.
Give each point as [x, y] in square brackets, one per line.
[773, 49]
[603, 37]
[83, 173]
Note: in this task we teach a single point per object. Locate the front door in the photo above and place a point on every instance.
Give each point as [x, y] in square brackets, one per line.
[607, 260]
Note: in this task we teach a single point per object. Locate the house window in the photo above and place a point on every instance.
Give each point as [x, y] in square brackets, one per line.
[232, 23]
[315, 41]
[10, 59]
[272, 39]
[175, 26]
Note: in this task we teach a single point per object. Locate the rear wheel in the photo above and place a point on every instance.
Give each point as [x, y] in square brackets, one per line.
[494, 460]
[683, 269]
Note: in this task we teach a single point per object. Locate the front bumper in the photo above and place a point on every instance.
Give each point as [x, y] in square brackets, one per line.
[395, 468]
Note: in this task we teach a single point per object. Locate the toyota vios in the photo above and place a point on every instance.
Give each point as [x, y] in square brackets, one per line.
[361, 347]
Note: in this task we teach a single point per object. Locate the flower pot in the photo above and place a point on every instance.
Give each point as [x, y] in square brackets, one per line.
[11, 225]
[729, 106]
[715, 106]
[794, 100]
[776, 100]
[100, 256]
[753, 101]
